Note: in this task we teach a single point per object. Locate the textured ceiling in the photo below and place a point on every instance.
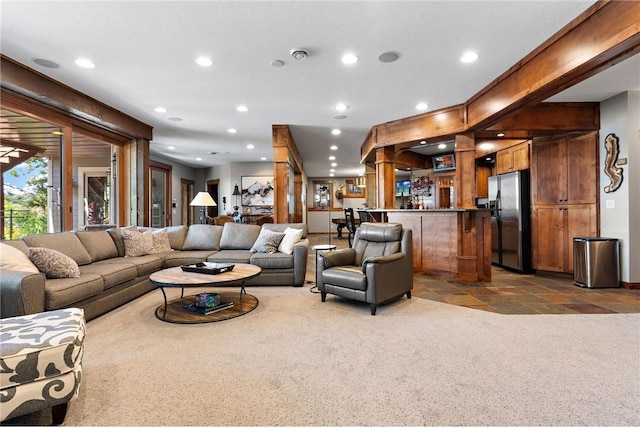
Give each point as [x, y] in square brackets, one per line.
[145, 52]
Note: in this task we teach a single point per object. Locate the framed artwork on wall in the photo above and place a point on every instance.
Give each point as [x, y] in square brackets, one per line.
[353, 191]
[257, 191]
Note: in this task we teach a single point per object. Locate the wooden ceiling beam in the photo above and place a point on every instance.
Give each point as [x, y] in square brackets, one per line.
[602, 36]
[25, 81]
[605, 34]
[552, 117]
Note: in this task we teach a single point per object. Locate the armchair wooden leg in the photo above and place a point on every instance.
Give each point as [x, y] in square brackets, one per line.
[323, 295]
[373, 309]
[58, 413]
[409, 294]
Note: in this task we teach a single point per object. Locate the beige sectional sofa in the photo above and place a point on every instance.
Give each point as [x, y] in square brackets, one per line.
[109, 278]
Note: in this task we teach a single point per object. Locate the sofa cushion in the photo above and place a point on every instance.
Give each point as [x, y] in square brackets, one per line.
[144, 264]
[272, 260]
[179, 258]
[66, 243]
[267, 242]
[231, 256]
[137, 243]
[117, 234]
[64, 292]
[291, 238]
[98, 244]
[53, 264]
[203, 237]
[112, 273]
[12, 258]
[177, 235]
[238, 236]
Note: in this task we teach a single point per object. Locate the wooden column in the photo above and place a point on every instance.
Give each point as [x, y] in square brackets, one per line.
[372, 185]
[385, 177]
[66, 187]
[465, 171]
[286, 159]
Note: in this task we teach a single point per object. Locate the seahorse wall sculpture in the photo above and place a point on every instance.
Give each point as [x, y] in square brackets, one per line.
[614, 173]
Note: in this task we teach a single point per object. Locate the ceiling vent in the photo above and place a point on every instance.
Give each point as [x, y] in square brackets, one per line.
[299, 53]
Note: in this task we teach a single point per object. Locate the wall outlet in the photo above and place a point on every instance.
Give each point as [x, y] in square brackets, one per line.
[610, 204]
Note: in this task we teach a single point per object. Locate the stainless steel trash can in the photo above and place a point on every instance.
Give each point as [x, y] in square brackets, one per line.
[596, 262]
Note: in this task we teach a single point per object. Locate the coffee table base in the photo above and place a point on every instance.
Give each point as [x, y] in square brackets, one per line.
[176, 313]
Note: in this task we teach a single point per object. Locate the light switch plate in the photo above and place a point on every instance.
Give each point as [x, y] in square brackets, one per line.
[610, 204]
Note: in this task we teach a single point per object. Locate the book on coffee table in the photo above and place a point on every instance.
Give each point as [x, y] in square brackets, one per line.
[208, 311]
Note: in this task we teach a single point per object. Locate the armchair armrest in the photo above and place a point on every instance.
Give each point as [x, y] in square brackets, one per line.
[341, 257]
[381, 259]
[21, 293]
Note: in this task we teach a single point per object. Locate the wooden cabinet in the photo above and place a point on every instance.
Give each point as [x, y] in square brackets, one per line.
[554, 228]
[564, 192]
[514, 158]
[483, 173]
[445, 194]
[565, 171]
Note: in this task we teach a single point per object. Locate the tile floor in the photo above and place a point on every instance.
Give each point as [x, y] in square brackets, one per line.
[512, 293]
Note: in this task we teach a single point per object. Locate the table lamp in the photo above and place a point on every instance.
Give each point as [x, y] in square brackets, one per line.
[203, 200]
[236, 193]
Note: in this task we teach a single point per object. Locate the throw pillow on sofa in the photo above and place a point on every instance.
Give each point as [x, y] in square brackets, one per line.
[291, 238]
[53, 264]
[137, 243]
[267, 242]
[161, 243]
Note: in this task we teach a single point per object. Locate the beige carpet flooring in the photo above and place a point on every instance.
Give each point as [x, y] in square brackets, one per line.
[295, 361]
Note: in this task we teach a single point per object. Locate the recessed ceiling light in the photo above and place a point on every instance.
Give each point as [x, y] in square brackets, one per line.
[250, 146]
[336, 131]
[341, 107]
[277, 63]
[171, 147]
[332, 170]
[340, 116]
[469, 57]
[85, 63]
[423, 142]
[442, 146]
[175, 119]
[299, 53]
[500, 134]
[388, 56]
[349, 59]
[160, 110]
[198, 159]
[332, 157]
[334, 147]
[204, 61]
[232, 130]
[331, 175]
[422, 106]
[57, 133]
[263, 158]
[487, 159]
[46, 63]
[242, 108]
[333, 164]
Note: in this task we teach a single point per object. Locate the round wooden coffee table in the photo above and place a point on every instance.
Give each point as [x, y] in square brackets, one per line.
[174, 311]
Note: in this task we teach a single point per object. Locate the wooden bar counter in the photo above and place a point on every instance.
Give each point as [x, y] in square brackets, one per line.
[447, 243]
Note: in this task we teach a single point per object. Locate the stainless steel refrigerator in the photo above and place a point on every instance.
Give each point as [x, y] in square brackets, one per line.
[510, 205]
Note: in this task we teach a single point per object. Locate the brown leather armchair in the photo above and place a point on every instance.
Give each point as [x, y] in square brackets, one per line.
[222, 219]
[264, 219]
[378, 268]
